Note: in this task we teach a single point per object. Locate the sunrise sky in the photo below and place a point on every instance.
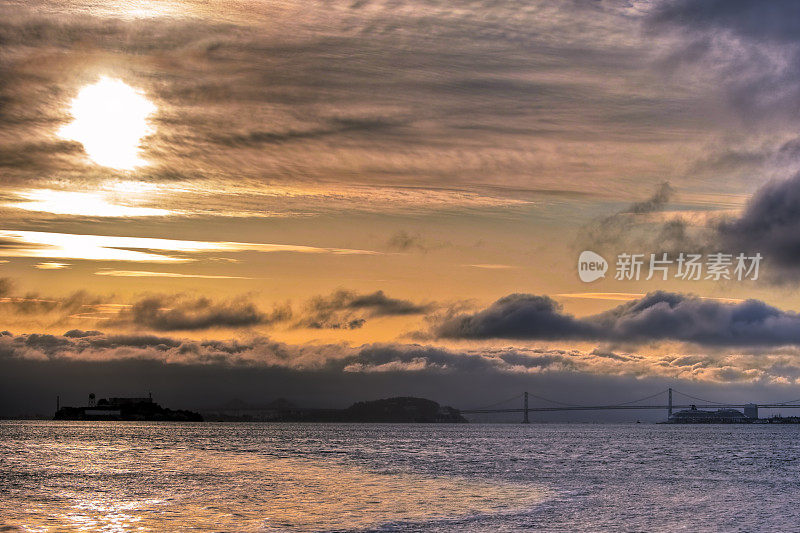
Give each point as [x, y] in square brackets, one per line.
[331, 201]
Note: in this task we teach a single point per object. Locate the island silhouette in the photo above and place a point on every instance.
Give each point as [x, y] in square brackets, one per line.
[403, 409]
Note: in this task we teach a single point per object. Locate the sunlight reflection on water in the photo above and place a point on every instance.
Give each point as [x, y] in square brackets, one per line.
[107, 482]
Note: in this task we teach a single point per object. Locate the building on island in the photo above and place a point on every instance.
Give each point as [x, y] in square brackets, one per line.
[124, 408]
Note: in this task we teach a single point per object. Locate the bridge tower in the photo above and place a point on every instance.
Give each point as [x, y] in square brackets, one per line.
[525, 410]
[669, 409]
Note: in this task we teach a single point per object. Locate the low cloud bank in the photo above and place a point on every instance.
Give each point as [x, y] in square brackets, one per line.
[776, 365]
[658, 316]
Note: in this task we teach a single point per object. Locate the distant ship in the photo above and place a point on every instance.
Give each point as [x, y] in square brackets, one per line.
[728, 416]
[720, 416]
[143, 408]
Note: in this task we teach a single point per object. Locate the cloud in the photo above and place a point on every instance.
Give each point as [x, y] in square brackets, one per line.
[750, 46]
[658, 316]
[141, 249]
[631, 227]
[660, 198]
[538, 109]
[668, 316]
[749, 52]
[404, 241]
[32, 303]
[262, 352]
[78, 334]
[335, 127]
[518, 316]
[491, 266]
[335, 361]
[34, 367]
[342, 309]
[89, 204]
[176, 312]
[6, 285]
[770, 225]
[617, 296]
[51, 265]
[41, 156]
[346, 309]
[150, 274]
[777, 21]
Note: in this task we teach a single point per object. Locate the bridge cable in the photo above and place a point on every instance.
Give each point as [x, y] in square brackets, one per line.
[611, 405]
[698, 399]
[639, 400]
[496, 403]
[784, 403]
[553, 401]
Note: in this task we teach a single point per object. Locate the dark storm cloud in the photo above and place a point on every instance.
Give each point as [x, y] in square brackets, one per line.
[176, 312]
[750, 50]
[346, 309]
[752, 46]
[770, 225]
[658, 316]
[777, 20]
[518, 316]
[668, 316]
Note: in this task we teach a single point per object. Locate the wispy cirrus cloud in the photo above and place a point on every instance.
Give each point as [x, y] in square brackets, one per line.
[150, 274]
[87, 204]
[51, 265]
[39, 244]
[549, 88]
[491, 266]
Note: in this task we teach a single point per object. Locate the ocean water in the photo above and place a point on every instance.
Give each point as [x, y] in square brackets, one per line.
[128, 476]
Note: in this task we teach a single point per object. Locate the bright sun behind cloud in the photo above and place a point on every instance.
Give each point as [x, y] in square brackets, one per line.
[110, 118]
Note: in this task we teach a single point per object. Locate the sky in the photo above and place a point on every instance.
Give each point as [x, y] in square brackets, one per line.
[337, 201]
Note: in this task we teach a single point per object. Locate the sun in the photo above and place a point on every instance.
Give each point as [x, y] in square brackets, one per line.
[110, 118]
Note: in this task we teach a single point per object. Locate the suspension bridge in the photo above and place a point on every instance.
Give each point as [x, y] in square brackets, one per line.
[555, 406]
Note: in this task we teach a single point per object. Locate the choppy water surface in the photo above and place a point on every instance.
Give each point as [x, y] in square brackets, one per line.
[111, 476]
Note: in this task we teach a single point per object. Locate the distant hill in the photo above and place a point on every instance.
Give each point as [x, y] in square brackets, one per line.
[400, 409]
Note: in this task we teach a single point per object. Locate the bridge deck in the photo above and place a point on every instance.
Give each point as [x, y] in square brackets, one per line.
[623, 407]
